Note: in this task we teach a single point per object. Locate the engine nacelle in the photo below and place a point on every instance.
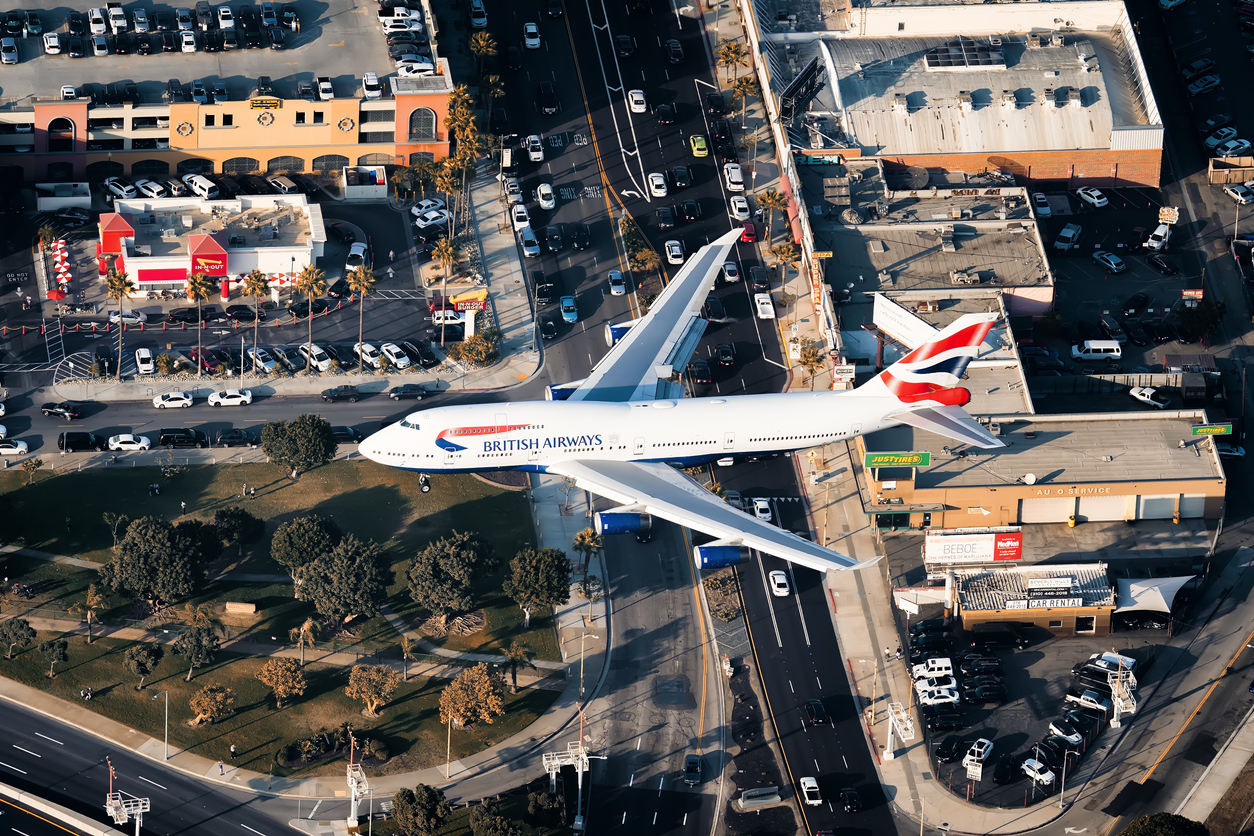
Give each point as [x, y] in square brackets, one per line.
[615, 331]
[561, 391]
[720, 554]
[628, 519]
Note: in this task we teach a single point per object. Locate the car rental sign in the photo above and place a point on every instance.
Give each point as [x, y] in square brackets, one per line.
[940, 548]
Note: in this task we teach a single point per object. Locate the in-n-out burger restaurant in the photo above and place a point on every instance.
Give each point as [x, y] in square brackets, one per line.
[159, 243]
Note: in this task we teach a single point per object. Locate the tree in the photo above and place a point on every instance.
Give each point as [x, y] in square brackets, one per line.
[284, 677]
[303, 443]
[212, 703]
[94, 600]
[257, 288]
[118, 287]
[29, 467]
[1165, 824]
[420, 811]
[237, 526]
[305, 635]
[491, 87]
[204, 535]
[441, 577]
[312, 283]
[645, 261]
[786, 255]
[546, 807]
[407, 655]
[811, 358]
[299, 540]
[55, 650]
[731, 54]
[117, 523]
[482, 45]
[446, 254]
[361, 281]
[372, 684]
[350, 580]
[538, 579]
[518, 654]
[198, 645]
[201, 616]
[486, 820]
[154, 562]
[587, 543]
[772, 201]
[1204, 318]
[744, 89]
[199, 289]
[476, 695]
[142, 660]
[16, 632]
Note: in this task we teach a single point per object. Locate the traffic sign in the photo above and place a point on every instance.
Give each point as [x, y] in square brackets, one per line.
[1212, 429]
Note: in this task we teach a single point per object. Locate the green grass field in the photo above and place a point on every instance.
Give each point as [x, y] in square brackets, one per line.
[410, 724]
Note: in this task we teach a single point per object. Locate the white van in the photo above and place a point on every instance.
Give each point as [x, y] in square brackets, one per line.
[201, 186]
[1097, 350]
[283, 185]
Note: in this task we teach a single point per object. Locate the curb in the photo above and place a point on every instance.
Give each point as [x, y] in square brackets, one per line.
[34, 802]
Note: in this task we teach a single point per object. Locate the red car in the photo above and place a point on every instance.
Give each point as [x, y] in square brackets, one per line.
[748, 231]
[206, 362]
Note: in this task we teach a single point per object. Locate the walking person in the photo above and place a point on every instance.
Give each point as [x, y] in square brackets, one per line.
[888, 654]
[221, 770]
[898, 653]
[183, 506]
[391, 255]
[232, 751]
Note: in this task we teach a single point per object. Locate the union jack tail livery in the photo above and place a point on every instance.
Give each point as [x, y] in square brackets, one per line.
[926, 382]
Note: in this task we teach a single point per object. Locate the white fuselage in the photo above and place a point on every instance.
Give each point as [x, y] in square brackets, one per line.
[531, 435]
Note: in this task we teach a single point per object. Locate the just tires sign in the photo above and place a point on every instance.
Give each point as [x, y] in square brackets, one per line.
[941, 548]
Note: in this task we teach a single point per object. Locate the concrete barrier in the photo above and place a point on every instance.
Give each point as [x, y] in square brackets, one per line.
[57, 812]
[757, 798]
[237, 607]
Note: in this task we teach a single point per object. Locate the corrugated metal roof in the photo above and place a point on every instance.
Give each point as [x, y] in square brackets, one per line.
[991, 589]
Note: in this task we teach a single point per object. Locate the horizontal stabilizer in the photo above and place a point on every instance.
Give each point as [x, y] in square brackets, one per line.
[951, 422]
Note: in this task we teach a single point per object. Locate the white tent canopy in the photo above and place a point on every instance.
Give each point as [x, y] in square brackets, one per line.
[1149, 594]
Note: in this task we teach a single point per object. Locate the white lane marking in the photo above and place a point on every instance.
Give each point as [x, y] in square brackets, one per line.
[624, 817]
[154, 783]
[637, 744]
[769, 606]
[23, 832]
[46, 737]
[631, 125]
[816, 765]
[655, 815]
[796, 594]
[660, 781]
[258, 832]
[14, 768]
[846, 760]
[685, 818]
[820, 682]
[27, 751]
[633, 780]
[790, 688]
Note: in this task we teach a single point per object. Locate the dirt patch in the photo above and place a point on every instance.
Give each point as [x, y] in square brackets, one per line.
[753, 765]
[463, 625]
[720, 591]
[514, 480]
[1233, 813]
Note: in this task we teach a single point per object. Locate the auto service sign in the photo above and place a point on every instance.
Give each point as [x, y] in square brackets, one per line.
[942, 548]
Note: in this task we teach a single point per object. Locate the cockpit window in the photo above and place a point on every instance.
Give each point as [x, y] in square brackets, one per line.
[410, 424]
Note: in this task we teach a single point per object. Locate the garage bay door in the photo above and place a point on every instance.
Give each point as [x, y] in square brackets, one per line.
[1051, 510]
[1156, 507]
[1103, 509]
[1192, 505]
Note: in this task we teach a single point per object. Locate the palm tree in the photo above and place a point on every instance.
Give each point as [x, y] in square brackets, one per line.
[361, 282]
[482, 45]
[201, 617]
[119, 287]
[199, 288]
[448, 184]
[403, 179]
[731, 54]
[786, 255]
[743, 89]
[304, 636]
[312, 283]
[772, 200]
[423, 170]
[587, 543]
[446, 253]
[492, 87]
[95, 600]
[256, 287]
[518, 654]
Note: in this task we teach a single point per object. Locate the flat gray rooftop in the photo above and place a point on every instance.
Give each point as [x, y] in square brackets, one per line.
[1160, 541]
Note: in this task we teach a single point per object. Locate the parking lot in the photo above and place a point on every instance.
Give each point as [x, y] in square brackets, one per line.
[336, 38]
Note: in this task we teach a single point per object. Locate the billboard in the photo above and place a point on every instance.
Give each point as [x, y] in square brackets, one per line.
[941, 548]
[897, 459]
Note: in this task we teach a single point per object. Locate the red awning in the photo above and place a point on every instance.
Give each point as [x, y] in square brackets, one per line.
[208, 255]
[165, 274]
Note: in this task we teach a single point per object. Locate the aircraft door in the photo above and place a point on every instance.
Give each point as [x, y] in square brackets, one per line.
[729, 441]
[638, 449]
[855, 429]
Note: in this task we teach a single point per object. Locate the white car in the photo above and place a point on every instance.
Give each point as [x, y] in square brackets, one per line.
[315, 355]
[763, 306]
[636, 101]
[128, 317]
[370, 86]
[1150, 395]
[126, 441]
[1041, 204]
[187, 41]
[96, 19]
[513, 192]
[731, 272]
[398, 358]
[68, 93]
[1038, 771]
[1092, 197]
[979, 752]
[417, 70]
[150, 189]
[12, 447]
[1220, 136]
[431, 204]
[118, 187]
[170, 400]
[52, 43]
[762, 509]
[779, 583]
[544, 194]
[143, 362]
[4, 431]
[356, 256]
[226, 20]
[519, 215]
[433, 218]
[935, 683]
[531, 36]
[262, 360]
[1239, 193]
[618, 285]
[739, 208]
[368, 353]
[940, 696]
[674, 251]
[734, 177]
[1088, 699]
[535, 148]
[1067, 732]
[231, 397]
[402, 24]
[657, 184]
[810, 792]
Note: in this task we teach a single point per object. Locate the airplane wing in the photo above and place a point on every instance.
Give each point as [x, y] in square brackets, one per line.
[665, 492]
[639, 366]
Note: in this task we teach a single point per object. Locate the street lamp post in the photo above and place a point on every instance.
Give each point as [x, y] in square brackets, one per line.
[582, 635]
[167, 721]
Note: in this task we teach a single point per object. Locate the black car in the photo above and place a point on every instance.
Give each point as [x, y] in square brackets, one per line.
[235, 438]
[625, 45]
[714, 310]
[341, 234]
[850, 800]
[1049, 753]
[681, 177]
[69, 410]
[545, 294]
[208, 313]
[981, 680]
[339, 289]
[345, 435]
[930, 641]
[252, 184]
[664, 114]
[301, 309]
[14, 22]
[1181, 334]
[1136, 303]
[227, 187]
[699, 371]
[278, 38]
[726, 153]
[407, 391]
[665, 217]
[986, 694]
[253, 39]
[982, 666]
[245, 313]
[954, 747]
[674, 51]
[230, 40]
[547, 97]
[1162, 265]
[554, 8]
[169, 42]
[817, 713]
[1158, 330]
[725, 354]
[76, 23]
[1009, 768]
[945, 722]
[452, 333]
[75, 46]
[760, 279]
[580, 236]
[340, 393]
[172, 437]
[692, 210]
[420, 353]
[1088, 330]
[143, 44]
[211, 41]
[247, 17]
[513, 58]
[122, 44]
[720, 131]
[553, 238]
[74, 442]
[1136, 334]
[714, 104]
[548, 328]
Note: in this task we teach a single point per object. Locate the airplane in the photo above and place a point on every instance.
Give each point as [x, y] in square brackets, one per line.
[621, 432]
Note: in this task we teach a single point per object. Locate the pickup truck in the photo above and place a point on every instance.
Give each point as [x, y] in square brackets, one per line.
[117, 17]
[1068, 238]
[1149, 395]
[325, 91]
[386, 14]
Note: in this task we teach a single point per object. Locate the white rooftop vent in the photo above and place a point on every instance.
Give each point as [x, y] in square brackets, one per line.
[964, 101]
[1073, 98]
[1034, 41]
[994, 40]
[1050, 102]
[1055, 39]
[1008, 99]
[900, 105]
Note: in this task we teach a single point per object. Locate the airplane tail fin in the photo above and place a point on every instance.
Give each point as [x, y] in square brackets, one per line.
[926, 380]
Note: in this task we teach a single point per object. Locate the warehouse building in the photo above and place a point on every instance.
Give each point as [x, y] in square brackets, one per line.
[1074, 600]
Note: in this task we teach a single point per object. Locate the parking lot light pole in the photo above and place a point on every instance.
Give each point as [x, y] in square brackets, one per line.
[167, 721]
